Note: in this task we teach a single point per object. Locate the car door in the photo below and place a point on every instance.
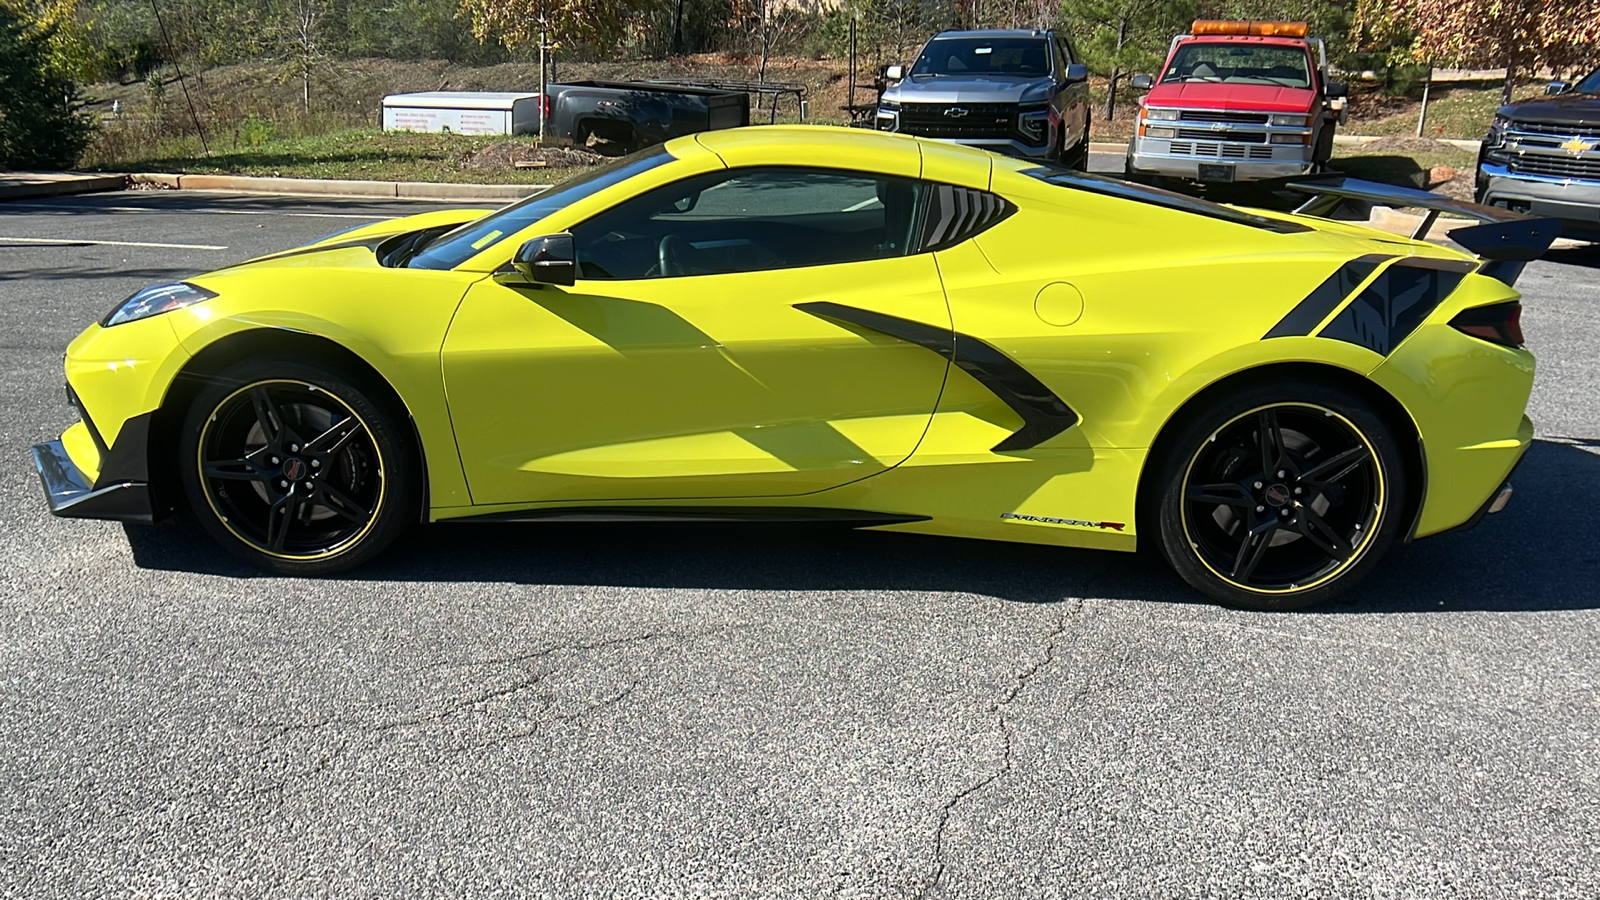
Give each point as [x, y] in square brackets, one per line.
[1074, 97]
[694, 356]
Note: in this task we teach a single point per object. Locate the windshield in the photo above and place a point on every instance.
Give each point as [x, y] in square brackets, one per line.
[456, 247]
[1590, 85]
[1235, 63]
[984, 56]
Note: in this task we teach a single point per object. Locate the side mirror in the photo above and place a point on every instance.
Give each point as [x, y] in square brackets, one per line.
[1142, 82]
[1336, 89]
[551, 259]
[1077, 72]
[894, 72]
[1557, 87]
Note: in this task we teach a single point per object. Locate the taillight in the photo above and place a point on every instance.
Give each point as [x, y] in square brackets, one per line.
[1498, 324]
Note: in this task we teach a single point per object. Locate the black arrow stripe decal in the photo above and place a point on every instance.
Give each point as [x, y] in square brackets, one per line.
[1327, 296]
[1044, 415]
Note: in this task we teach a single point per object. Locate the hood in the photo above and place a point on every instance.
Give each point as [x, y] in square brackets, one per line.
[994, 88]
[1237, 97]
[366, 238]
[1562, 109]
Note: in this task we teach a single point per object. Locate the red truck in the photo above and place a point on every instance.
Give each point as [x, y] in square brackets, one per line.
[1237, 101]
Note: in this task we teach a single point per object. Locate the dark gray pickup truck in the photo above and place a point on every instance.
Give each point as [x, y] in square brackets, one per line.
[1542, 156]
[1021, 93]
[621, 117]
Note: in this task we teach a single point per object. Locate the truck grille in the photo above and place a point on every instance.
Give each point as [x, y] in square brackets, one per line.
[1562, 131]
[976, 120]
[1217, 150]
[1217, 115]
[1238, 137]
[1555, 166]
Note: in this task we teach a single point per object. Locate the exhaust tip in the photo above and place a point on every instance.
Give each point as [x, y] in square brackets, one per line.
[1501, 499]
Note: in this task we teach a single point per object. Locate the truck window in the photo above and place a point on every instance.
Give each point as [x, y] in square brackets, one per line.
[747, 220]
[985, 56]
[1236, 63]
[456, 247]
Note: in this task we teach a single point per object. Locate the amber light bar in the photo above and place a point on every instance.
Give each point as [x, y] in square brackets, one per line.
[1250, 27]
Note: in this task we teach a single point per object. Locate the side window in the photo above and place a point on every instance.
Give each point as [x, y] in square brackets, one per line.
[747, 220]
[1063, 57]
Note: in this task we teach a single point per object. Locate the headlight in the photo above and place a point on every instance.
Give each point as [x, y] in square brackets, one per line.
[887, 105]
[1291, 139]
[1291, 121]
[1158, 132]
[1497, 132]
[1163, 115]
[155, 300]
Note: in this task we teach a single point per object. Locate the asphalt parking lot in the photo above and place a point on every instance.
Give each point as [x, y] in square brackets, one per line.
[526, 711]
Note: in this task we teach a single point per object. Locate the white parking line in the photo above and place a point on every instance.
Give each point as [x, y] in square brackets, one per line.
[79, 242]
[242, 212]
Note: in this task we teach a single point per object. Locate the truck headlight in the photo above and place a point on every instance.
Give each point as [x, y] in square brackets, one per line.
[1033, 123]
[1497, 131]
[1296, 121]
[155, 300]
[1160, 132]
[1161, 115]
[1290, 138]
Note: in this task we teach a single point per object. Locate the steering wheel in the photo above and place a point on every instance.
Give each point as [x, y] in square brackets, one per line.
[671, 254]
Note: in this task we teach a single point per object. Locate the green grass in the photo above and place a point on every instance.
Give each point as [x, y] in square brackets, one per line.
[359, 154]
[1462, 112]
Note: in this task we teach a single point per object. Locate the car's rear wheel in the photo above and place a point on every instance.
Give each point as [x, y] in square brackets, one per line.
[299, 468]
[1280, 496]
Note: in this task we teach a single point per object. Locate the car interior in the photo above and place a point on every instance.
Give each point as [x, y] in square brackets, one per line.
[751, 220]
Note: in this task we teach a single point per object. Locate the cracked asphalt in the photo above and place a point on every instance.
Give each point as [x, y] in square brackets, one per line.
[600, 711]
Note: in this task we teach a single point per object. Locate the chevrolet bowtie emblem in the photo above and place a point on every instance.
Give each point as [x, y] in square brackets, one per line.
[955, 112]
[1577, 145]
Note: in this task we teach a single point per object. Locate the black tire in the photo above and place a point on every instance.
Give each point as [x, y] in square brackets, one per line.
[1288, 522]
[298, 467]
[1076, 157]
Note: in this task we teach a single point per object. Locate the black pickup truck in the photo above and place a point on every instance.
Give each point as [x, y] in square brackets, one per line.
[1542, 156]
[621, 117]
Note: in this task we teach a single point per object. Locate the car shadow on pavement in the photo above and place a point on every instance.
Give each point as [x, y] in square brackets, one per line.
[1541, 553]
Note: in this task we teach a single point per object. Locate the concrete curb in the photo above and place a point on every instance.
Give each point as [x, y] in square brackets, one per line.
[23, 185]
[327, 187]
[1395, 222]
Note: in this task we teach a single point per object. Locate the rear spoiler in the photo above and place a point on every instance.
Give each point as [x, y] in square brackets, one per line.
[1507, 240]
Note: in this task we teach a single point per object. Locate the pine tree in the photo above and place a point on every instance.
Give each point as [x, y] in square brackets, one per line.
[40, 127]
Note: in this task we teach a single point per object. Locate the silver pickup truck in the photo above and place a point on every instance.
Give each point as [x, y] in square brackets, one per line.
[1021, 93]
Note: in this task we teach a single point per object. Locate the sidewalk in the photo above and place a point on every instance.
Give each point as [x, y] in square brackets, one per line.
[23, 185]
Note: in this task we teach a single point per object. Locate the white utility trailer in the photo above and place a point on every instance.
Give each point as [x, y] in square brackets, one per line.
[462, 112]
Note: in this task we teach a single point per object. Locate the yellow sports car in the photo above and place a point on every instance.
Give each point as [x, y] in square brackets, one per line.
[773, 324]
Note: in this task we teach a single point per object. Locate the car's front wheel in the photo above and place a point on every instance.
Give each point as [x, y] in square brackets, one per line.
[297, 467]
[1280, 496]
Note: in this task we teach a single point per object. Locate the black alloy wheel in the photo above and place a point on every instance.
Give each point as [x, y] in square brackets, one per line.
[296, 468]
[1284, 503]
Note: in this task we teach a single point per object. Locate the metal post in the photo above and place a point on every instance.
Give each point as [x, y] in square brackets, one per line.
[850, 98]
[544, 97]
[1422, 116]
